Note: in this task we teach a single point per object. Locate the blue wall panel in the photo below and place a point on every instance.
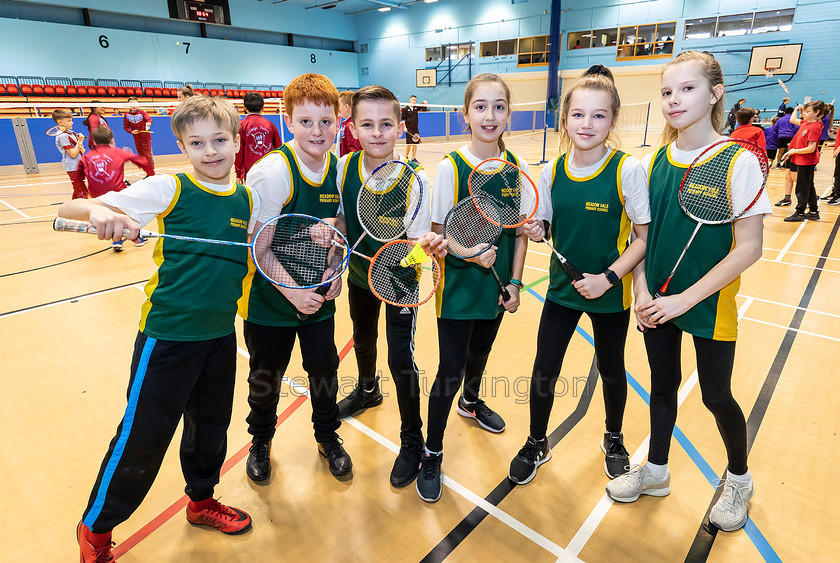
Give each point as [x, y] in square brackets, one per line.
[9, 151]
[521, 120]
[432, 124]
[149, 56]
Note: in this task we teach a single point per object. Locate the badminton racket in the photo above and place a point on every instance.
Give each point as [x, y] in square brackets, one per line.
[513, 191]
[388, 202]
[471, 227]
[785, 88]
[717, 188]
[402, 273]
[294, 251]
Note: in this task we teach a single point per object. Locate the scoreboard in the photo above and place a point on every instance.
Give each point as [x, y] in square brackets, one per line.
[211, 11]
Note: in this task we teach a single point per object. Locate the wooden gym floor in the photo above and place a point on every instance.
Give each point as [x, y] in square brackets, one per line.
[68, 316]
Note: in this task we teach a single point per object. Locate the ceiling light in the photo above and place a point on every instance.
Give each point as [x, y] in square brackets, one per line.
[429, 1]
[384, 9]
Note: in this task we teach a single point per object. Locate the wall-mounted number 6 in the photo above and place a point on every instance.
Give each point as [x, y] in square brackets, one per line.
[103, 41]
[312, 58]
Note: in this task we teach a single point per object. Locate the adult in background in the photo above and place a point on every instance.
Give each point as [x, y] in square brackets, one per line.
[412, 131]
[731, 122]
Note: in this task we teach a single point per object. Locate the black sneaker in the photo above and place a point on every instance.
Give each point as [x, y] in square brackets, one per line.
[813, 215]
[534, 453]
[784, 202]
[428, 480]
[616, 460]
[486, 417]
[835, 200]
[407, 464]
[258, 467]
[339, 461]
[795, 218]
[360, 398]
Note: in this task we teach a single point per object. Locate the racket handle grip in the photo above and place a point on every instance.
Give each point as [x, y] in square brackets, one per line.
[572, 271]
[321, 290]
[73, 226]
[505, 294]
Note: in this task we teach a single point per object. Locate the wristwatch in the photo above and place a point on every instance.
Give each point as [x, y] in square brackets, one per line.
[518, 284]
[611, 277]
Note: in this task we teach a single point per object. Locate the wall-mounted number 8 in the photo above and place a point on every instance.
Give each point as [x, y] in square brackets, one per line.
[312, 58]
[103, 41]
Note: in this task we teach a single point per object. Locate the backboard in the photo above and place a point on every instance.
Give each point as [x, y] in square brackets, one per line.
[784, 59]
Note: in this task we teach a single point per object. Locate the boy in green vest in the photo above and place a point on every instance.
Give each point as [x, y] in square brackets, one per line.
[376, 123]
[299, 177]
[184, 359]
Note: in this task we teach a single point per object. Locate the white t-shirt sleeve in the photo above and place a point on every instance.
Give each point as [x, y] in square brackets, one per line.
[423, 222]
[271, 178]
[145, 199]
[342, 162]
[443, 197]
[255, 210]
[545, 210]
[634, 187]
[747, 176]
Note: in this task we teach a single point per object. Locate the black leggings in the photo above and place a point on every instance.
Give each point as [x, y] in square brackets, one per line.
[464, 348]
[557, 325]
[400, 325]
[835, 191]
[714, 370]
[806, 194]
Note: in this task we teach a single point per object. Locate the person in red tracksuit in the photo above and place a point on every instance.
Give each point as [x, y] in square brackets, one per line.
[96, 118]
[137, 122]
[103, 167]
[257, 136]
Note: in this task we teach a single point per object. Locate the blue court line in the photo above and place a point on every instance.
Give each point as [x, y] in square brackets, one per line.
[752, 531]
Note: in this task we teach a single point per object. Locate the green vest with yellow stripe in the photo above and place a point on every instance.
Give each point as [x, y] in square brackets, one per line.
[193, 293]
[468, 291]
[351, 184]
[590, 228]
[261, 302]
[716, 317]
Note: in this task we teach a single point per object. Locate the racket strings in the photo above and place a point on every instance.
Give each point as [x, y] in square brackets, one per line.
[405, 286]
[472, 226]
[294, 250]
[725, 185]
[504, 183]
[387, 201]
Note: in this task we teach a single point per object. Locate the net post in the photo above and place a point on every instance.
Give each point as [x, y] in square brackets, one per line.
[647, 122]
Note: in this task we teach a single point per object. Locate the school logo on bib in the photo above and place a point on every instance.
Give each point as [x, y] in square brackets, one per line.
[595, 206]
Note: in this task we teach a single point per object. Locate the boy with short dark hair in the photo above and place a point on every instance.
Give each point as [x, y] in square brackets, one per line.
[258, 134]
[137, 123]
[746, 130]
[299, 177]
[376, 123]
[71, 146]
[347, 141]
[184, 359]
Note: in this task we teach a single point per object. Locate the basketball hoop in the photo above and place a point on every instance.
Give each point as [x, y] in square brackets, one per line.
[769, 70]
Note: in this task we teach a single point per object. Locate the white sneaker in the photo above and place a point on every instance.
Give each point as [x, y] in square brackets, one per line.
[638, 481]
[730, 511]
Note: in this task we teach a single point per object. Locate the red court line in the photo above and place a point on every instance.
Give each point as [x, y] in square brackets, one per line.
[181, 504]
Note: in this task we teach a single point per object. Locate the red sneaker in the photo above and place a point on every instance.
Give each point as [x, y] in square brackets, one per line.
[89, 553]
[226, 519]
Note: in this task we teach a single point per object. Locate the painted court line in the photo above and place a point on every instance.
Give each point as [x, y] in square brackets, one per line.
[478, 501]
[788, 328]
[790, 242]
[811, 268]
[793, 252]
[15, 209]
[789, 306]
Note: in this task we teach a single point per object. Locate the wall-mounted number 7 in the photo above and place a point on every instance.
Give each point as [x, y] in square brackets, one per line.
[188, 47]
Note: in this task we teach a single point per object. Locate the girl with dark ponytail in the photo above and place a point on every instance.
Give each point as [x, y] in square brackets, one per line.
[591, 197]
